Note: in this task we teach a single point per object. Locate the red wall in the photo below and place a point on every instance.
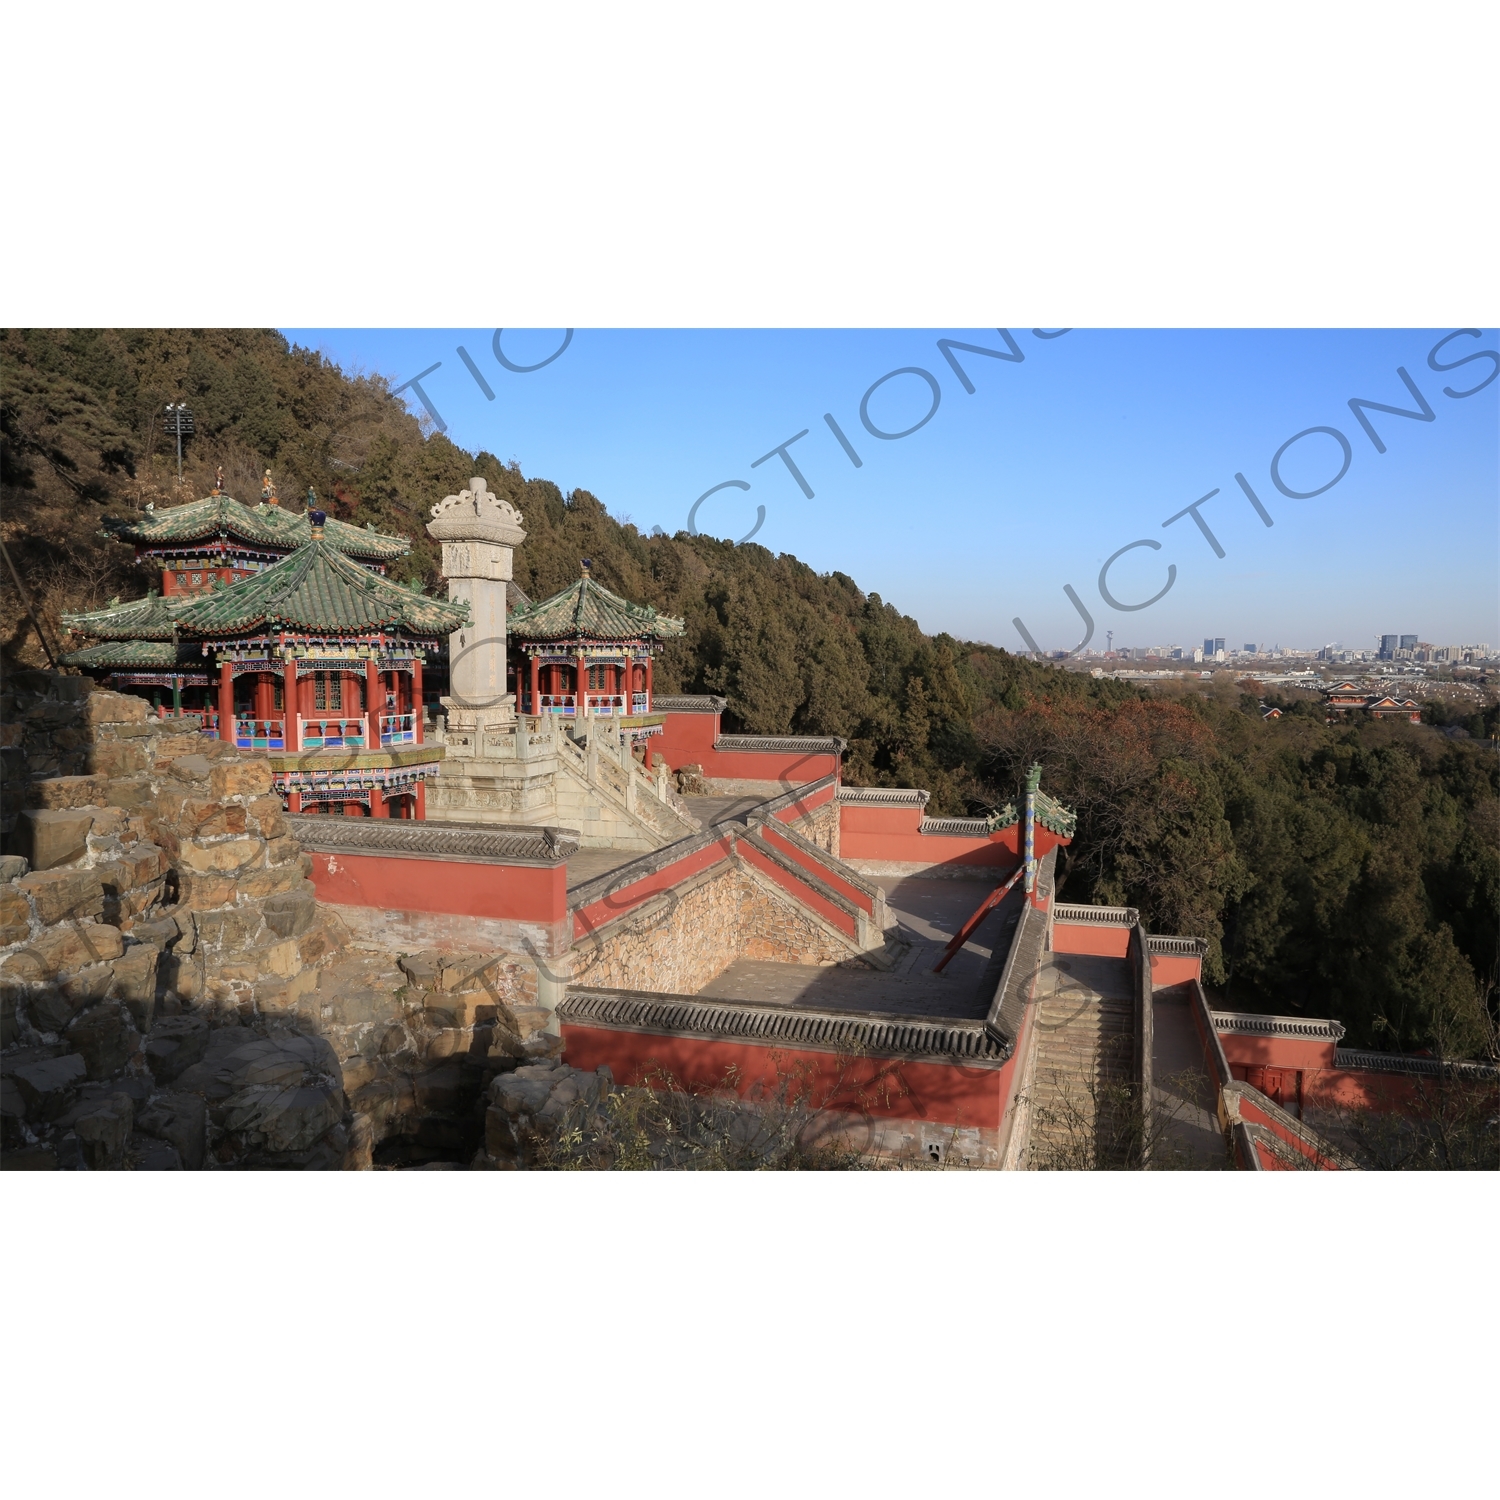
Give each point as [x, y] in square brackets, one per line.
[1253, 1114]
[892, 833]
[943, 1093]
[607, 908]
[1276, 1052]
[521, 893]
[808, 897]
[688, 739]
[1175, 968]
[685, 739]
[810, 803]
[826, 873]
[1090, 937]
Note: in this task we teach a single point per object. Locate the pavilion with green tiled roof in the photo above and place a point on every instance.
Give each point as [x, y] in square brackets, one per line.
[218, 538]
[318, 593]
[589, 650]
[315, 654]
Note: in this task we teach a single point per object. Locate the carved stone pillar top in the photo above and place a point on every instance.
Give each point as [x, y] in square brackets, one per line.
[476, 515]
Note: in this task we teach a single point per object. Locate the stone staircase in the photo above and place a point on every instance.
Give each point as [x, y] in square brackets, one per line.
[533, 771]
[604, 778]
[1081, 1112]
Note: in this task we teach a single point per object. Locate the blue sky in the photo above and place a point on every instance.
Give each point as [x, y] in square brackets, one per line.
[1053, 463]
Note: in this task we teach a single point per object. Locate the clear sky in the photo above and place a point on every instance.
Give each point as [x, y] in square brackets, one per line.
[1057, 460]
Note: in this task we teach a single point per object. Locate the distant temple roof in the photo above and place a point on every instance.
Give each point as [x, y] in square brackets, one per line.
[261, 525]
[148, 619]
[320, 590]
[586, 610]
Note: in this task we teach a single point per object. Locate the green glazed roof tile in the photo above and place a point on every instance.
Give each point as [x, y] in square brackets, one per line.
[587, 610]
[159, 654]
[318, 589]
[148, 619]
[262, 525]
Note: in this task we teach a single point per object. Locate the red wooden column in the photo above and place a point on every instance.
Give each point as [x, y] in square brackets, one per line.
[374, 698]
[291, 711]
[650, 700]
[294, 802]
[379, 807]
[416, 698]
[421, 799]
[536, 685]
[579, 688]
[226, 703]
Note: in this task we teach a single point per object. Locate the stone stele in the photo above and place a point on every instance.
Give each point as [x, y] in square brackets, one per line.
[478, 530]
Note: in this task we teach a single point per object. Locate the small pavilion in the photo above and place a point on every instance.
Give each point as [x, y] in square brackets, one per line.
[219, 539]
[316, 661]
[588, 651]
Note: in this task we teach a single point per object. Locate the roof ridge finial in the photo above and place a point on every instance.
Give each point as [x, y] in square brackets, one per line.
[587, 564]
[268, 490]
[219, 480]
[315, 518]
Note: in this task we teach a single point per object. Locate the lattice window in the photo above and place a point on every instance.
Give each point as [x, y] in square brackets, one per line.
[278, 695]
[599, 680]
[328, 692]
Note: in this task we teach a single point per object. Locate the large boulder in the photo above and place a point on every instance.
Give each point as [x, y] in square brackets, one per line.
[291, 913]
[288, 1119]
[60, 894]
[54, 837]
[52, 1008]
[135, 982]
[179, 1119]
[49, 1084]
[175, 1044]
[15, 916]
[104, 1131]
[104, 1037]
[74, 945]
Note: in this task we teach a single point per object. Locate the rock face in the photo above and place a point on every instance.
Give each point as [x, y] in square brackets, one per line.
[527, 1108]
[175, 999]
[150, 898]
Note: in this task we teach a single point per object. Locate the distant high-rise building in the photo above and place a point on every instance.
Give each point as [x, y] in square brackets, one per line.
[1388, 646]
[1250, 647]
[1408, 643]
[1212, 645]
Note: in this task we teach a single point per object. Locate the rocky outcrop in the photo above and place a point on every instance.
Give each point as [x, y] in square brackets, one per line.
[153, 911]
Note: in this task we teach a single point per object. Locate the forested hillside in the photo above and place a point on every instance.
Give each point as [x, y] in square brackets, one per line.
[1344, 870]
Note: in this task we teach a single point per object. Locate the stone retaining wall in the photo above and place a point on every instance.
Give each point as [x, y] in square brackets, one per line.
[680, 940]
